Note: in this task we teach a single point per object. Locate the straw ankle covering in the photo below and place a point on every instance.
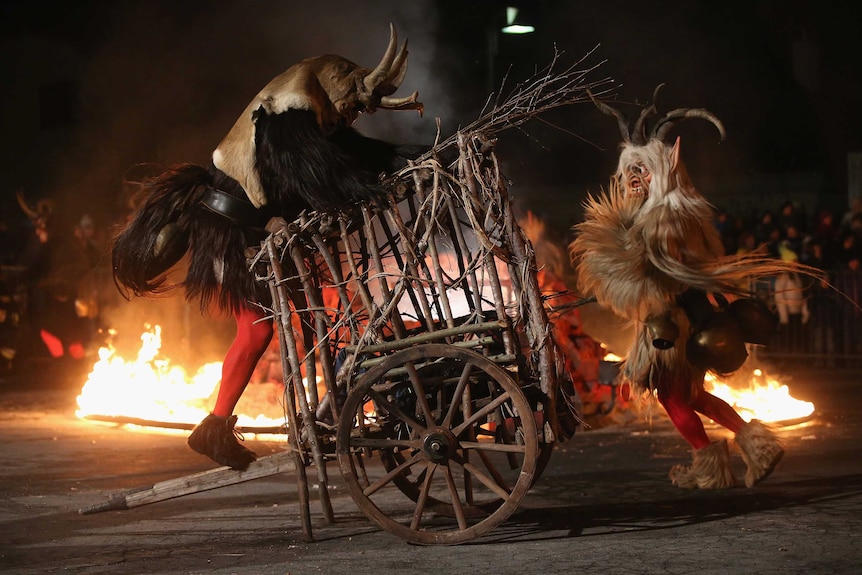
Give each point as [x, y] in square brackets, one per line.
[710, 469]
[761, 451]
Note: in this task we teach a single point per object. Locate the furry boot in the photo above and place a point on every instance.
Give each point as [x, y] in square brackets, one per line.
[710, 469]
[760, 449]
[216, 438]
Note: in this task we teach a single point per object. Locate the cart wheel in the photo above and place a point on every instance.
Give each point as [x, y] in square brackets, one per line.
[411, 483]
[456, 460]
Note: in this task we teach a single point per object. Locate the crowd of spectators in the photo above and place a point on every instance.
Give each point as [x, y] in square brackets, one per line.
[53, 274]
[819, 319]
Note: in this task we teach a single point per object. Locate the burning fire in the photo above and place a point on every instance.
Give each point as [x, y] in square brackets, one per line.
[763, 398]
[150, 388]
[754, 396]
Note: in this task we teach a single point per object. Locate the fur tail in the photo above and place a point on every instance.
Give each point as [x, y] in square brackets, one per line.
[731, 273]
[636, 262]
[157, 235]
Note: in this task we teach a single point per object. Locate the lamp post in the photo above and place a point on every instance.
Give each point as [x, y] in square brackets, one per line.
[514, 23]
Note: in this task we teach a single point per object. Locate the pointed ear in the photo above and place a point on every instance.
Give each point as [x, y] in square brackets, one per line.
[674, 154]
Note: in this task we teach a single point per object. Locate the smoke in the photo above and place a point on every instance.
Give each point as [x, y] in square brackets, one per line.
[168, 80]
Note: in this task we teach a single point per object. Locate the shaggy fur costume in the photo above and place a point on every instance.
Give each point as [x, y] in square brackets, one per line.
[292, 149]
[761, 451]
[638, 252]
[645, 243]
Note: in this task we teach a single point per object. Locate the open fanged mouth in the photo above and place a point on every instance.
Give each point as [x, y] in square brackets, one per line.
[636, 187]
[638, 181]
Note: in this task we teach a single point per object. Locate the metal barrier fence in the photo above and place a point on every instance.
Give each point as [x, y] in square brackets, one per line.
[827, 331]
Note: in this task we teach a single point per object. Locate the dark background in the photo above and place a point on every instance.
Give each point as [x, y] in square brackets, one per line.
[92, 89]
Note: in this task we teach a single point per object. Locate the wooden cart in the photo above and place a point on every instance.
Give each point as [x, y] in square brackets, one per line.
[432, 347]
[415, 343]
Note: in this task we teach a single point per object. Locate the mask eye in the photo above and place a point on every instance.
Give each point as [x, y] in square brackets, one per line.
[639, 170]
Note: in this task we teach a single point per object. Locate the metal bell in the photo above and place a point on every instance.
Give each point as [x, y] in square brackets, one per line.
[662, 331]
[717, 345]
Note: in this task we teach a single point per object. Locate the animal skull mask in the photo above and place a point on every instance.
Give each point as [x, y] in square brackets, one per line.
[334, 88]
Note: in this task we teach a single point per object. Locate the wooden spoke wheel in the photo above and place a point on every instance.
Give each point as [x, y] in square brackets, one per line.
[410, 483]
[455, 456]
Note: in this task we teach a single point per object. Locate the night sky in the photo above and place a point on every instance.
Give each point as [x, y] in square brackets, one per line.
[92, 90]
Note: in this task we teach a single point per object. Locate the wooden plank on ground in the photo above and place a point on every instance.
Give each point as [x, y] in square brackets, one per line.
[204, 481]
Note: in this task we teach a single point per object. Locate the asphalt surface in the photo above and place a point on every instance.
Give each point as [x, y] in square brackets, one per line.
[603, 505]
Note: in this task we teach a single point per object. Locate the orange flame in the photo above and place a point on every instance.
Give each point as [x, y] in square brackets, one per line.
[152, 389]
[763, 398]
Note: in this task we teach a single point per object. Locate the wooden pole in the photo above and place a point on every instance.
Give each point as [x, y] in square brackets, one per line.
[290, 373]
[203, 481]
[309, 418]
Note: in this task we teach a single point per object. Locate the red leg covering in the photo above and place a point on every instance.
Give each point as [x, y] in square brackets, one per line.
[717, 410]
[683, 416]
[251, 341]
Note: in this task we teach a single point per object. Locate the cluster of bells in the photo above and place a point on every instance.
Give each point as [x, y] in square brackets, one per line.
[717, 341]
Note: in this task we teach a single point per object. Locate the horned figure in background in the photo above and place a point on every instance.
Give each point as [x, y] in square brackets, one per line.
[648, 251]
[291, 149]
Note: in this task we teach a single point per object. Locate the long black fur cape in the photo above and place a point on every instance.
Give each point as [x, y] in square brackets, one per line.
[300, 169]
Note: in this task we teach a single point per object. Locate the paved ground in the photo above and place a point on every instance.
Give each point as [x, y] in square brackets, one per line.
[604, 505]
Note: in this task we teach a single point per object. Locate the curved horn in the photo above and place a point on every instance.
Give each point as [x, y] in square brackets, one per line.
[622, 120]
[639, 131]
[665, 124]
[383, 69]
[397, 73]
[30, 212]
[406, 103]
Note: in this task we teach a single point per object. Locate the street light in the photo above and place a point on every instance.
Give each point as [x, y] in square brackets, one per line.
[514, 25]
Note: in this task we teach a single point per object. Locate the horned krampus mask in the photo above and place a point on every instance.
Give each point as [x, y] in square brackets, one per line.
[648, 162]
[334, 88]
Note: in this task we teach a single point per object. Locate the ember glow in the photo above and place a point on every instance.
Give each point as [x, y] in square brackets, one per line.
[150, 388]
[761, 397]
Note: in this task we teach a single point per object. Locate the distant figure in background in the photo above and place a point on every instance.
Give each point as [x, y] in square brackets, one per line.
[853, 210]
[727, 231]
[747, 243]
[763, 230]
[849, 250]
[823, 305]
[848, 282]
[789, 215]
[791, 304]
[826, 230]
[54, 267]
[89, 301]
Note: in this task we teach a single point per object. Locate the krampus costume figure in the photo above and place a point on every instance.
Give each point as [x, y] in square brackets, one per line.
[292, 149]
[648, 251]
